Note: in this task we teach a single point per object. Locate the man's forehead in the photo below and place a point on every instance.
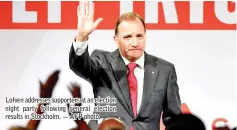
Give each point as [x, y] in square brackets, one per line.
[124, 33]
[129, 23]
[131, 27]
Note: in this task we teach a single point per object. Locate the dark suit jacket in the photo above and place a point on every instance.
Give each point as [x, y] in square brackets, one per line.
[107, 73]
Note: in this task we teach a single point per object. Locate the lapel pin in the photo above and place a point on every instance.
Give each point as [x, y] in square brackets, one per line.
[152, 72]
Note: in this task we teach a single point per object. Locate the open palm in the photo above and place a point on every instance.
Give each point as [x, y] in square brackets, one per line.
[86, 24]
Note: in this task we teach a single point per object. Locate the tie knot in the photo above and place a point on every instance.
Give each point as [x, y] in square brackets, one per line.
[132, 66]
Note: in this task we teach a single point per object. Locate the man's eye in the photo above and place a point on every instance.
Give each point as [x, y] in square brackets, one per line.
[139, 35]
[127, 37]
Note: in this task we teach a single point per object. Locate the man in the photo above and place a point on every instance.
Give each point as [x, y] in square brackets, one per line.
[112, 124]
[186, 122]
[143, 85]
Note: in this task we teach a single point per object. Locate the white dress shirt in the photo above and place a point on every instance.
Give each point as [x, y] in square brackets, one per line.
[80, 48]
[139, 74]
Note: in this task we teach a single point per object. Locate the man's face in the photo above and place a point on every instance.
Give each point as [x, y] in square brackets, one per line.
[131, 39]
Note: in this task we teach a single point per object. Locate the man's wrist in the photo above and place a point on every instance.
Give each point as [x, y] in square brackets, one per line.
[81, 38]
[79, 47]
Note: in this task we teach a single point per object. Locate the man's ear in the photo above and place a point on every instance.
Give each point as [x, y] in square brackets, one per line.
[116, 40]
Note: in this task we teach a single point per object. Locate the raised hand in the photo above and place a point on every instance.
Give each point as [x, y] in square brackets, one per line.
[46, 88]
[86, 24]
[75, 91]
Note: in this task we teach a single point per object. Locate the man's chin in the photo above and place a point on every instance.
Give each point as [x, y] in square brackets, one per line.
[137, 56]
[136, 52]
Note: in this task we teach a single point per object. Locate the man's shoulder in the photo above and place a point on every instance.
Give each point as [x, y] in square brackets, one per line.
[101, 52]
[162, 62]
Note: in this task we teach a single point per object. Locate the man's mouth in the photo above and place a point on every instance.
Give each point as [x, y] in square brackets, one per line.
[135, 49]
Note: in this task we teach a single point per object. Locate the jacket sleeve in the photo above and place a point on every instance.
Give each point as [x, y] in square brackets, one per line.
[85, 66]
[172, 103]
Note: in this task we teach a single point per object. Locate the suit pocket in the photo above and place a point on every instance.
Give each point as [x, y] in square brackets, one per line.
[158, 92]
[156, 102]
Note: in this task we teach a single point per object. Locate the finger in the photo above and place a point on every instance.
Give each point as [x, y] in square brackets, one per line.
[56, 72]
[53, 76]
[78, 12]
[96, 23]
[76, 93]
[76, 88]
[86, 8]
[52, 79]
[82, 8]
[91, 11]
[41, 89]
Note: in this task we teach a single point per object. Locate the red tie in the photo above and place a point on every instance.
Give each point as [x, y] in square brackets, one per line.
[132, 82]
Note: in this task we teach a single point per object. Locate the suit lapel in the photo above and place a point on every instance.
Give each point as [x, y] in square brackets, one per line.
[120, 73]
[150, 75]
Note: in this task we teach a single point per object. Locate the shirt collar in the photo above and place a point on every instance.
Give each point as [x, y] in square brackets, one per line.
[140, 61]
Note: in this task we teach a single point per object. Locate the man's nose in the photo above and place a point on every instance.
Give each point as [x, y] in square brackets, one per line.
[135, 42]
